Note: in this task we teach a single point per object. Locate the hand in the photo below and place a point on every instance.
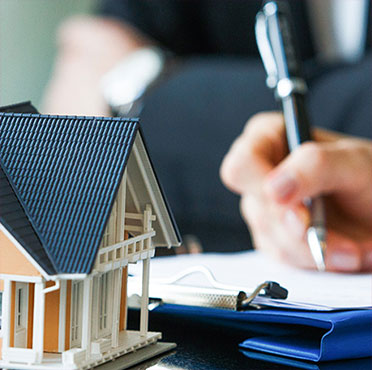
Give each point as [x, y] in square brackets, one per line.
[273, 183]
[88, 47]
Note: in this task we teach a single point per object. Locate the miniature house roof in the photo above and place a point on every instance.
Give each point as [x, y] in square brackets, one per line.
[59, 179]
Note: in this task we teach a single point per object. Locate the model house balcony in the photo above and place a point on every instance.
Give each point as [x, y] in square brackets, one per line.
[138, 247]
[130, 250]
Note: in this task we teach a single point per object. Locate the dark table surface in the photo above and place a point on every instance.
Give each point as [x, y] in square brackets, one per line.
[203, 346]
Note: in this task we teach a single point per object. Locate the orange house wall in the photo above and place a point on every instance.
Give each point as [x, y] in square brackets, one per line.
[68, 316]
[30, 318]
[51, 319]
[12, 261]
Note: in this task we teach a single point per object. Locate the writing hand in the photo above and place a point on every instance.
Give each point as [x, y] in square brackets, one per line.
[272, 184]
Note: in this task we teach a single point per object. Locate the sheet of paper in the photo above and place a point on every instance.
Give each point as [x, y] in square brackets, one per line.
[246, 270]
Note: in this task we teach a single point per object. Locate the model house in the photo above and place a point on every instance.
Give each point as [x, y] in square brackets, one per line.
[79, 201]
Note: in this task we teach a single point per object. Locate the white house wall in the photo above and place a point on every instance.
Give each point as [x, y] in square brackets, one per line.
[147, 190]
[115, 225]
[138, 188]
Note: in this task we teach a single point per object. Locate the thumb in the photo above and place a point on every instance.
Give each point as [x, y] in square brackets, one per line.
[319, 168]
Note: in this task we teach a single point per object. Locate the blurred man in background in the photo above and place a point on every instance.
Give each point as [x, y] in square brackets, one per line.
[195, 111]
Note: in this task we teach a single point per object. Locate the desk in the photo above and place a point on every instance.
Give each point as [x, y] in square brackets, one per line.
[206, 347]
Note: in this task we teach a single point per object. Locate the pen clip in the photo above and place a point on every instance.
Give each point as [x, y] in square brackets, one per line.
[279, 56]
[265, 50]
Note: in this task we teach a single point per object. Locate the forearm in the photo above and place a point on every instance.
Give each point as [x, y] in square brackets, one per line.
[88, 47]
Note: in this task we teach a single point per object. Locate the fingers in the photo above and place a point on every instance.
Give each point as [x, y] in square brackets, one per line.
[318, 168]
[254, 153]
[274, 184]
[342, 254]
[348, 255]
[276, 231]
[282, 234]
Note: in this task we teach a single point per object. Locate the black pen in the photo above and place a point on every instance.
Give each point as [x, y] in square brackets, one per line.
[275, 41]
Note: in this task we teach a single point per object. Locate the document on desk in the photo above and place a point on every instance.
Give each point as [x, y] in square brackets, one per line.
[327, 316]
[311, 290]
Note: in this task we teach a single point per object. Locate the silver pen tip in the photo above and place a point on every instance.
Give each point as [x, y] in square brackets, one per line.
[317, 244]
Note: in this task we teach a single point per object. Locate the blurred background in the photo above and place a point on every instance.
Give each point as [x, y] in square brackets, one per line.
[194, 113]
[27, 38]
[27, 44]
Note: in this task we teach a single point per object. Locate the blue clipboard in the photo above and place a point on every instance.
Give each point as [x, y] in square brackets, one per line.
[298, 334]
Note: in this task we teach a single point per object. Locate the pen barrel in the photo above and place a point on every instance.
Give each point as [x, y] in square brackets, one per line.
[296, 119]
[317, 211]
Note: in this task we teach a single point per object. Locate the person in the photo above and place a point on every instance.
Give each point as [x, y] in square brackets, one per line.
[191, 118]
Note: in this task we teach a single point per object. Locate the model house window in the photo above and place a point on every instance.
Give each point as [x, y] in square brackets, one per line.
[76, 317]
[104, 313]
[19, 308]
[20, 315]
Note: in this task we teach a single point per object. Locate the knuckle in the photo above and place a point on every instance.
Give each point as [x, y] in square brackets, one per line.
[235, 164]
[314, 153]
[263, 125]
[230, 172]
[255, 123]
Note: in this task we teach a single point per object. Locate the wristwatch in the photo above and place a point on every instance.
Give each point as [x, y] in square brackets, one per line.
[124, 86]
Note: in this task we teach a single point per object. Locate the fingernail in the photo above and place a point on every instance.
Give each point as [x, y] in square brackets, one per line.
[282, 185]
[294, 223]
[345, 260]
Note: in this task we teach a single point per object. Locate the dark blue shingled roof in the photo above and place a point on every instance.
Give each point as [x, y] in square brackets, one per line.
[14, 218]
[66, 172]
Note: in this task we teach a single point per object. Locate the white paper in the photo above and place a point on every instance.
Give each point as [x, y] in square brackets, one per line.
[246, 270]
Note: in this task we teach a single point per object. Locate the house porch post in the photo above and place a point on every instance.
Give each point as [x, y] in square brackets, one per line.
[7, 297]
[62, 316]
[145, 297]
[147, 227]
[38, 329]
[116, 308]
[87, 316]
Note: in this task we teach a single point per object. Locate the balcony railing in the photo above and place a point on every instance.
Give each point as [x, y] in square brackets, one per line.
[130, 250]
[133, 249]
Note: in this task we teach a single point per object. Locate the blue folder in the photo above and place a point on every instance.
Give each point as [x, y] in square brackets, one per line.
[354, 364]
[298, 334]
